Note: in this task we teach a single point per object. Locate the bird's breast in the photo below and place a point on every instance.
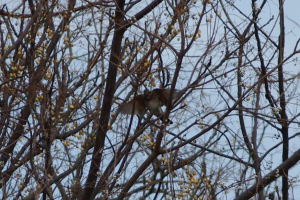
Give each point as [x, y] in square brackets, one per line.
[152, 104]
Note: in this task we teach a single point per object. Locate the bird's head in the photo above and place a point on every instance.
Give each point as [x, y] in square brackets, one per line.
[148, 95]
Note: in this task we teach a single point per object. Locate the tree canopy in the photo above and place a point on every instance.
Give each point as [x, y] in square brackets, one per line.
[68, 67]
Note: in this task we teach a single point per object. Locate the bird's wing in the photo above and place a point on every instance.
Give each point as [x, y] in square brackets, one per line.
[163, 95]
[127, 108]
[139, 107]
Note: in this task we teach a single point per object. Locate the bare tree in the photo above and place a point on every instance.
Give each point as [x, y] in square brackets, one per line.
[68, 69]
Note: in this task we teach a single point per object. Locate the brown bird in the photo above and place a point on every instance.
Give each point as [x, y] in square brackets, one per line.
[151, 100]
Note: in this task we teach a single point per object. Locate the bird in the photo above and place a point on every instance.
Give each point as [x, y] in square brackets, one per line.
[150, 100]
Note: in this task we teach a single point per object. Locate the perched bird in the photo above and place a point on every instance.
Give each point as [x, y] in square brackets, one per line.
[151, 100]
